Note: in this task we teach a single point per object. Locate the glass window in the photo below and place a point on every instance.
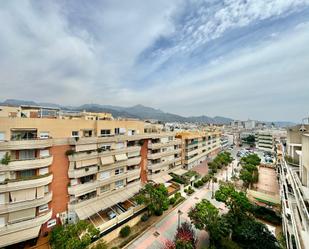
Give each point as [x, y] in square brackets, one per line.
[27, 173]
[26, 154]
[119, 171]
[105, 133]
[74, 133]
[105, 188]
[119, 184]
[104, 175]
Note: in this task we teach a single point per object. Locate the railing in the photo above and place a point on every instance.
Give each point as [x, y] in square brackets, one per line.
[12, 207]
[15, 227]
[18, 184]
[35, 163]
[26, 144]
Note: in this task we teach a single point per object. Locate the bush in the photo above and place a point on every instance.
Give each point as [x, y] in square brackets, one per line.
[181, 199]
[158, 212]
[100, 245]
[266, 214]
[125, 231]
[195, 184]
[144, 217]
[200, 183]
[6, 159]
[172, 200]
[185, 190]
[177, 195]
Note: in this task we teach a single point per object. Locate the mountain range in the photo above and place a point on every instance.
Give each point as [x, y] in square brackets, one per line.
[137, 111]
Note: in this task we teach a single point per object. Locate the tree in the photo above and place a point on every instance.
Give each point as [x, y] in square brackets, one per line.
[237, 202]
[251, 159]
[249, 139]
[185, 238]
[251, 234]
[77, 236]
[205, 216]
[155, 197]
[246, 176]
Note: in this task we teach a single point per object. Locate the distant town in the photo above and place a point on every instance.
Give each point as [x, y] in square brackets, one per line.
[86, 169]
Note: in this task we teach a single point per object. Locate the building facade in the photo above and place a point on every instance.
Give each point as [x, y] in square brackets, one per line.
[293, 171]
[68, 167]
[197, 146]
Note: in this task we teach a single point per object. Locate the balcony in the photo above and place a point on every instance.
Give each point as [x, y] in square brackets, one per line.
[160, 165]
[22, 231]
[154, 146]
[95, 154]
[77, 173]
[81, 189]
[162, 154]
[19, 184]
[12, 207]
[27, 164]
[26, 144]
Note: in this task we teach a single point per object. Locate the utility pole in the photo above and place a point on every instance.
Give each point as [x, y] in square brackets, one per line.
[179, 213]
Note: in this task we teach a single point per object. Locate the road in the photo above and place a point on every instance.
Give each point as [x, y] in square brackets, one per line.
[155, 237]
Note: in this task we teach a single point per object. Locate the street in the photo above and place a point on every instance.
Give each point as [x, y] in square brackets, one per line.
[155, 237]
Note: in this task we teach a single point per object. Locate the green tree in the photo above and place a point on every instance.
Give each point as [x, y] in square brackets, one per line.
[75, 236]
[250, 234]
[237, 202]
[155, 197]
[205, 216]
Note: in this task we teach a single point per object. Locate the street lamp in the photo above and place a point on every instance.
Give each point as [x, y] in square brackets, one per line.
[179, 213]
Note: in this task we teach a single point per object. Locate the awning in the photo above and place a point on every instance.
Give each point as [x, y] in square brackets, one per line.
[121, 157]
[162, 178]
[22, 235]
[105, 160]
[106, 201]
[180, 172]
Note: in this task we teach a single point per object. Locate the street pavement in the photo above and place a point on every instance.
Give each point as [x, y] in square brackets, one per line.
[165, 229]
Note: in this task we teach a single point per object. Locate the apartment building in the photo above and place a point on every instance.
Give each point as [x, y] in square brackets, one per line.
[55, 170]
[294, 187]
[197, 146]
[265, 139]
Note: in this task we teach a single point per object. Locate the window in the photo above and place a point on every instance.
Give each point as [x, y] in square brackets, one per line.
[24, 134]
[44, 153]
[46, 189]
[75, 134]
[44, 134]
[119, 184]
[2, 136]
[105, 188]
[104, 175]
[43, 208]
[105, 133]
[27, 173]
[117, 131]
[51, 223]
[2, 154]
[119, 171]
[43, 171]
[26, 154]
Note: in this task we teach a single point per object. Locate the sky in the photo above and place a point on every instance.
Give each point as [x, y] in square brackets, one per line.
[235, 58]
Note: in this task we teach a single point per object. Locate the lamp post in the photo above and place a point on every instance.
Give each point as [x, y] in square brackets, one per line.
[179, 213]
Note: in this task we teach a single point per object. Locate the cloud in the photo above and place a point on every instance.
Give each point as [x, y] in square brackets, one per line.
[235, 57]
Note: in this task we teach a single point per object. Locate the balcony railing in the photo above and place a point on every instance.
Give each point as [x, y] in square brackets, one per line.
[27, 164]
[23, 183]
[26, 144]
[12, 207]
